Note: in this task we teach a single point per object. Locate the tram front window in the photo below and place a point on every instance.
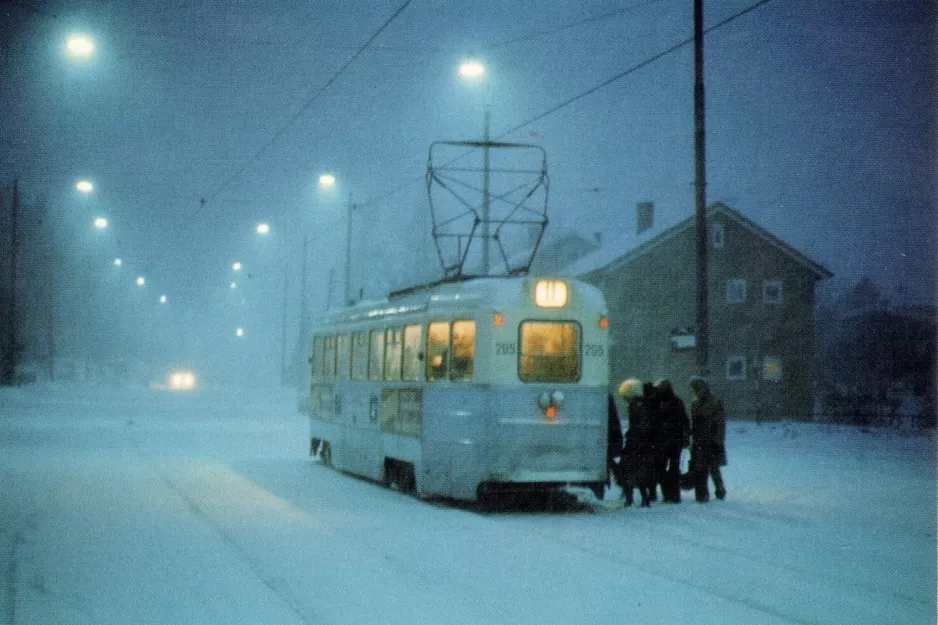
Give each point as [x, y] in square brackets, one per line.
[550, 352]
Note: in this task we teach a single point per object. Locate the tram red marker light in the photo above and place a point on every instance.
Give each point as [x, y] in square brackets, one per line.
[499, 320]
[604, 323]
[551, 412]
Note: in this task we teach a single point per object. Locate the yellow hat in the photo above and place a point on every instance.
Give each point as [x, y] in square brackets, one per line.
[631, 388]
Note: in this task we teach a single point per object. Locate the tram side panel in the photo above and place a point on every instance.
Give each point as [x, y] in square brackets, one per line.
[456, 441]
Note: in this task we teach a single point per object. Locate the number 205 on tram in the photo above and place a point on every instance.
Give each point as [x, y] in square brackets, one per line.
[466, 389]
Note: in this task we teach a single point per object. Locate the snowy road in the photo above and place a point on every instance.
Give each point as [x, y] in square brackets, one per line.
[124, 506]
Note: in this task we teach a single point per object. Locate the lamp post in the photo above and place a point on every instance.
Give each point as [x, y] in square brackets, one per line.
[79, 46]
[473, 69]
[327, 181]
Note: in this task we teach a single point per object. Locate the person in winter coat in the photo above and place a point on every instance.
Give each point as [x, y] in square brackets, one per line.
[673, 435]
[708, 449]
[638, 454]
[614, 443]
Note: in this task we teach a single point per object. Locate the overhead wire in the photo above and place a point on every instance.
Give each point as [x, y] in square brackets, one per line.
[645, 63]
[286, 126]
[309, 102]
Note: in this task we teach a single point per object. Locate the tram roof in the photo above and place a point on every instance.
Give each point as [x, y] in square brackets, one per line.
[475, 293]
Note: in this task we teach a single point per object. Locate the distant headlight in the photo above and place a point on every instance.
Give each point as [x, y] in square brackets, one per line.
[182, 380]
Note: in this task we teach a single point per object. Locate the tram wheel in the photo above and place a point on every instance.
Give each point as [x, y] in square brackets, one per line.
[408, 480]
[325, 454]
[400, 473]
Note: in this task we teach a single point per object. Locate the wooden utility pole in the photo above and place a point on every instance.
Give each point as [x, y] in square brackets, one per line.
[8, 347]
[700, 183]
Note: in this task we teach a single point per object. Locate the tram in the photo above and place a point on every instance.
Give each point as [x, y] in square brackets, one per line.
[465, 389]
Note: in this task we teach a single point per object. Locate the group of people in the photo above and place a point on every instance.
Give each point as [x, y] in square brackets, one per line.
[649, 454]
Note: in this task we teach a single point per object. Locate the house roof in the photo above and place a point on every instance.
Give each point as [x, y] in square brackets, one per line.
[623, 250]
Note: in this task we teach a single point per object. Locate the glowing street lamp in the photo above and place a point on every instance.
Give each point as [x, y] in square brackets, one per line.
[118, 262]
[141, 281]
[162, 299]
[239, 332]
[472, 69]
[100, 223]
[236, 267]
[233, 285]
[326, 181]
[84, 186]
[263, 228]
[79, 46]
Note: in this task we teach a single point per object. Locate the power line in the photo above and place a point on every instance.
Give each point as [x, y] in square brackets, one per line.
[631, 70]
[279, 133]
[309, 102]
[586, 93]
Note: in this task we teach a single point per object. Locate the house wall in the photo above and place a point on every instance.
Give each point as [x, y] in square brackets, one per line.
[653, 293]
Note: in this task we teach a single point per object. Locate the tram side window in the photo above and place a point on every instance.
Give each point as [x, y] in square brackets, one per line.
[376, 358]
[328, 357]
[464, 347]
[549, 352]
[413, 336]
[451, 350]
[437, 350]
[342, 357]
[393, 348]
[359, 356]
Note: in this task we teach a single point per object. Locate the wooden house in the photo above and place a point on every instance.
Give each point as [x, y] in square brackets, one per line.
[761, 357]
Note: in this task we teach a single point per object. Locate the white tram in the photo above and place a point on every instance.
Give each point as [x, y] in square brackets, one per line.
[465, 389]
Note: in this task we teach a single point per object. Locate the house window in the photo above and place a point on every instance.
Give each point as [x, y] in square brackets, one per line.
[772, 368]
[718, 235]
[735, 291]
[772, 291]
[736, 368]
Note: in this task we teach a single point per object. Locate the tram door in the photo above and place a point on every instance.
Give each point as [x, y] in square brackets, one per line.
[453, 428]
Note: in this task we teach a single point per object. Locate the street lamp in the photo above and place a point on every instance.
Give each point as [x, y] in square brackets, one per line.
[84, 186]
[79, 46]
[263, 228]
[236, 266]
[118, 262]
[327, 182]
[141, 281]
[473, 69]
[100, 223]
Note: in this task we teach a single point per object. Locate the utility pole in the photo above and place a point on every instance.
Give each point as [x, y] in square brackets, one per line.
[283, 329]
[347, 299]
[486, 115]
[303, 326]
[700, 184]
[10, 349]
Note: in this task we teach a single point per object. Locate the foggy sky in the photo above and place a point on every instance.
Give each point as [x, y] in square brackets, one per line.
[821, 127]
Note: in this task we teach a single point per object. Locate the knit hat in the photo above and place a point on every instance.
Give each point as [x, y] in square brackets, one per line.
[630, 388]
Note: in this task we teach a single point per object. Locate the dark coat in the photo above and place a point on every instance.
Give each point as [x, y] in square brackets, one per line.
[614, 440]
[638, 455]
[672, 424]
[708, 431]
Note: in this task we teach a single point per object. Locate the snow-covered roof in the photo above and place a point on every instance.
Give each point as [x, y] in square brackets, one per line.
[634, 245]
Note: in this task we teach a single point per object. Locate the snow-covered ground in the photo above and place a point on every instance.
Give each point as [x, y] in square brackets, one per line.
[140, 506]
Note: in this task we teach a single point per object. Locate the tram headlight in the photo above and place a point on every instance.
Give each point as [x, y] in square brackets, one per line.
[181, 380]
[550, 403]
[544, 400]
